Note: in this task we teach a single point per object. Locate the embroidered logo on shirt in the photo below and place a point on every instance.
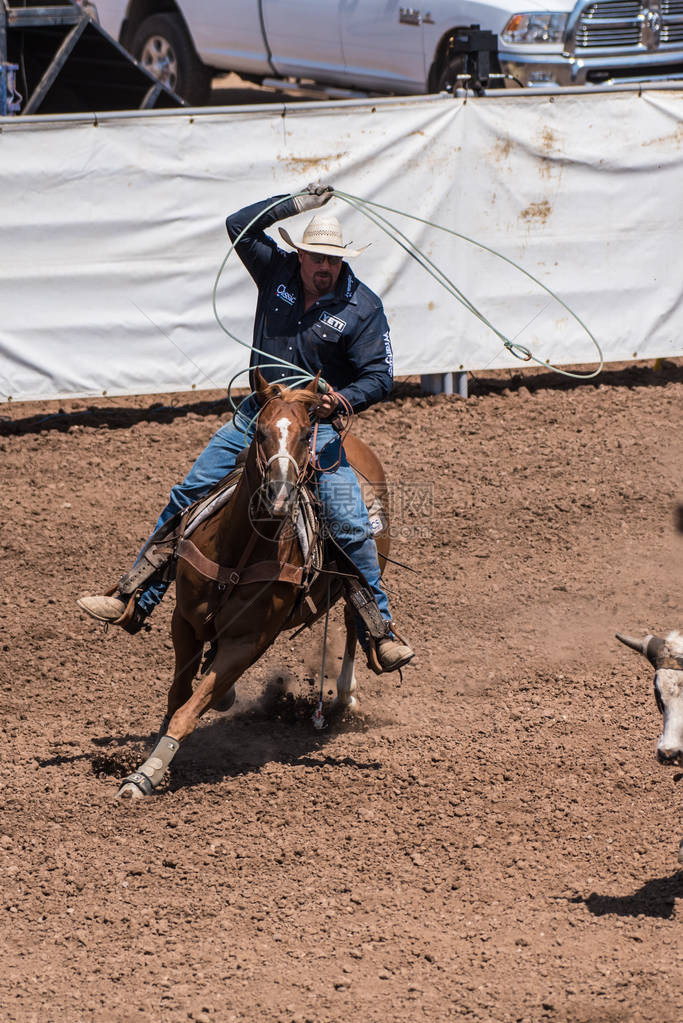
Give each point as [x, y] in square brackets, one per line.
[389, 355]
[334, 322]
[285, 295]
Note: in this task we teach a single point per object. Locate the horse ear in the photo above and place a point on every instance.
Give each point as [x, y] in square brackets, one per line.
[313, 385]
[261, 383]
[265, 391]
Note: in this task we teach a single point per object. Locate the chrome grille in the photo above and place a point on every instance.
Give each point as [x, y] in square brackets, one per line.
[610, 23]
[672, 33]
[614, 9]
[618, 24]
[590, 34]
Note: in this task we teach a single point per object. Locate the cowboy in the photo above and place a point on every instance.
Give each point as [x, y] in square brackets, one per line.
[313, 312]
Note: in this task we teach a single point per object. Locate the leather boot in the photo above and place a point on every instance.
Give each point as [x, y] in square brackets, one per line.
[112, 610]
[103, 608]
[392, 654]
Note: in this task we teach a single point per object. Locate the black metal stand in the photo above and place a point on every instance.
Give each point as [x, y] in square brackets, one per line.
[479, 50]
[66, 63]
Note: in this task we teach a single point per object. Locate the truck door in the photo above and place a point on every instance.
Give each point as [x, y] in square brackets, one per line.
[227, 35]
[304, 37]
[383, 42]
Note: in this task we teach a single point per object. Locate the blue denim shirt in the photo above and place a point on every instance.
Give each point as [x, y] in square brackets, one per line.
[345, 334]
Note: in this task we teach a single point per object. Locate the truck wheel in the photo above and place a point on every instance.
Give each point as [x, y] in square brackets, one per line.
[447, 78]
[163, 47]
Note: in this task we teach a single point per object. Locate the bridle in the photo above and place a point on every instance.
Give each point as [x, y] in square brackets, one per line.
[264, 464]
[344, 412]
[299, 471]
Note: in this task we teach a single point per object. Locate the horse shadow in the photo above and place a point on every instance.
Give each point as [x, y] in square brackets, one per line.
[277, 730]
[656, 898]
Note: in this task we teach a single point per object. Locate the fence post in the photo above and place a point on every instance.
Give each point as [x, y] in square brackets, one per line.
[443, 383]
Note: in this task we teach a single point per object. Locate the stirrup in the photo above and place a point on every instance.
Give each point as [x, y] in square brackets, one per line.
[133, 618]
[374, 663]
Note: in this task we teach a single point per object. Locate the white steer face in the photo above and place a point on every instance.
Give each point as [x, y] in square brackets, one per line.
[669, 695]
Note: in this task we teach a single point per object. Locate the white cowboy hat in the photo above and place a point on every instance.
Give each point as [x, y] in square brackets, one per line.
[323, 235]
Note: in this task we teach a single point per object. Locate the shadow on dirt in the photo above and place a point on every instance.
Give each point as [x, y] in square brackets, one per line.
[656, 898]
[236, 93]
[277, 730]
[122, 417]
[616, 375]
[73, 758]
[113, 417]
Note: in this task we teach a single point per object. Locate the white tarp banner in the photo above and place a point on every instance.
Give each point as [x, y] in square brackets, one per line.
[113, 232]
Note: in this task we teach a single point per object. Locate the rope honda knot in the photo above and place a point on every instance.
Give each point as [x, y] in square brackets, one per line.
[318, 718]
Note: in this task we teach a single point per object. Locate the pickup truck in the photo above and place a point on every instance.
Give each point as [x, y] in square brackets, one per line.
[382, 46]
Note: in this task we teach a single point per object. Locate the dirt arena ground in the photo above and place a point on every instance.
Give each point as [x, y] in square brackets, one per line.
[492, 839]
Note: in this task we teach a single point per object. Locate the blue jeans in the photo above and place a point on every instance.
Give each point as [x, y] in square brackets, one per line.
[344, 511]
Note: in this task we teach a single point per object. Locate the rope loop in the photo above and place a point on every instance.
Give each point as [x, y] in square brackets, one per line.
[370, 209]
[519, 351]
[441, 278]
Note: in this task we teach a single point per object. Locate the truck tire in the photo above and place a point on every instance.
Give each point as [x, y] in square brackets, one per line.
[162, 45]
[446, 80]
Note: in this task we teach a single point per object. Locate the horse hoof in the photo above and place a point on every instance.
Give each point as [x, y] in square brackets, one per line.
[129, 791]
[135, 786]
[350, 703]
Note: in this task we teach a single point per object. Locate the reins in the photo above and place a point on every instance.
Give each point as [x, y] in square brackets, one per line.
[344, 415]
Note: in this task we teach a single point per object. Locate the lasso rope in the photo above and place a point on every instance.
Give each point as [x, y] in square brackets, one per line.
[519, 351]
[301, 376]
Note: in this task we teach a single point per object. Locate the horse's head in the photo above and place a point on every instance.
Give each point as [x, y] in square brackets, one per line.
[283, 431]
[666, 656]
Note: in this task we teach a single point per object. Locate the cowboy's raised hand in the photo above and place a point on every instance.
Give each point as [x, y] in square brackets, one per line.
[316, 195]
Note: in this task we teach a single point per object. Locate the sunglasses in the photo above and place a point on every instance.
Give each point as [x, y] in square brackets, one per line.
[319, 258]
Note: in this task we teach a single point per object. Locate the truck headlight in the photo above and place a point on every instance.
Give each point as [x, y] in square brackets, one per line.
[535, 28]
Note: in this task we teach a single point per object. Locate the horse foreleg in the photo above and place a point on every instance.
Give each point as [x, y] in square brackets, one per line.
[188, 654]
[231, 661]
[346, 682]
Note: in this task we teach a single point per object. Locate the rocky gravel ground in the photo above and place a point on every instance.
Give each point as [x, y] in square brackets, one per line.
[490, 839]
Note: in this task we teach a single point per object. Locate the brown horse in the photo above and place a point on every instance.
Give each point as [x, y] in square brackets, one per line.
[238, 582]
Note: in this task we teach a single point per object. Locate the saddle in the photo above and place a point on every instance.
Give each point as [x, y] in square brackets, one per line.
[159, 558]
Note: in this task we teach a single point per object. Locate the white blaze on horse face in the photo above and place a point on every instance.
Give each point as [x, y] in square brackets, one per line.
[283, 452]
[279, 484]
[669, 686]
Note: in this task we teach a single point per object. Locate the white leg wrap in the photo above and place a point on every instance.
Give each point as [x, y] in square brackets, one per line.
[346, 683]
[155, 766]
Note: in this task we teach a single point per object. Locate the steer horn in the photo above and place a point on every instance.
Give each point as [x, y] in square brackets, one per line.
[652, 647]
[635, 644]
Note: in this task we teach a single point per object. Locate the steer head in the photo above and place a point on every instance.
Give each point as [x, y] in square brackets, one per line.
[666, 656]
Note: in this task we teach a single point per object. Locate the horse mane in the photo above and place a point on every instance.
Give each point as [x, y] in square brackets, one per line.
[289, 395]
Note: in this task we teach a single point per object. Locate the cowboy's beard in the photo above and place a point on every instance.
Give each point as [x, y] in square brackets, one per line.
[322, 281]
